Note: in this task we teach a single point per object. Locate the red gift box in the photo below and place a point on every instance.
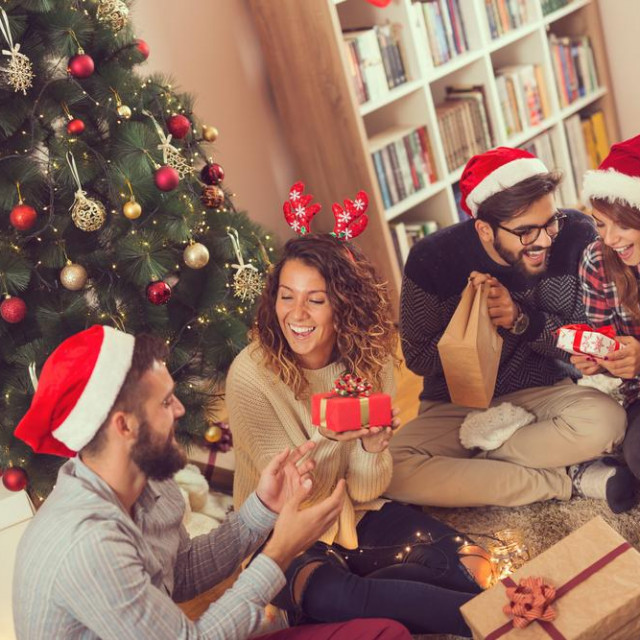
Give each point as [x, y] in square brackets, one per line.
[340, 413]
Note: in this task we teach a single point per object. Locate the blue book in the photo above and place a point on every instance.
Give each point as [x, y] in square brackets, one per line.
[382, 180]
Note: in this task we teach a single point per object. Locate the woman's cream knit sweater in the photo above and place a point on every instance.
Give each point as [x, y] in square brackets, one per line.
[265, 418]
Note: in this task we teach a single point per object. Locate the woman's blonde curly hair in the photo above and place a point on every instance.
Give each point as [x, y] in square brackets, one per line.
[366, 337]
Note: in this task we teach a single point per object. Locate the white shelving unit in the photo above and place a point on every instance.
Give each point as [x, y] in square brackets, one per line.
[330, 132]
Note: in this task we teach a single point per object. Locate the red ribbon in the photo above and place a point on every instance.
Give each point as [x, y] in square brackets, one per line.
[211, 464]
[380, 3]
[550, 629]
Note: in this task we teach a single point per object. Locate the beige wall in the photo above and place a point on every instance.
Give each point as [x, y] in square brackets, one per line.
[620, 21]
[210, 49]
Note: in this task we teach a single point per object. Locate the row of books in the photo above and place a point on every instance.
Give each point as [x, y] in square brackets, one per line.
[505, 15]
[574, 67]
[403, 162]
[588, 142]
[464, 124]
[375, 60]
[542, 147]
[553, 5]
[441, 29]
[523, 96]
[405, 235]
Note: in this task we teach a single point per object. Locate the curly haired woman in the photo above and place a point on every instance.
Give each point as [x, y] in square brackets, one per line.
[325, 312]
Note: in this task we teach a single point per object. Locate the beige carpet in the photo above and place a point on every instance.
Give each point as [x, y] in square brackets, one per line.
[543, 524]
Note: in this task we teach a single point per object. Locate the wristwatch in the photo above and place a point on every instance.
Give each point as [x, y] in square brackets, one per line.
[521, 323]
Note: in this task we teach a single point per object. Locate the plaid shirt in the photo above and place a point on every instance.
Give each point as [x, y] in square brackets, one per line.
[603, 306]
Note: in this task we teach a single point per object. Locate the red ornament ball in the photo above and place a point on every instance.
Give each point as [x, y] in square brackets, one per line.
[143, 48]
[75, 127]
[158, 292]
[212, 173]
[166, 178]
[178, 125]
[81, 65]
[13, 310]
[23, 217]
[14, 479]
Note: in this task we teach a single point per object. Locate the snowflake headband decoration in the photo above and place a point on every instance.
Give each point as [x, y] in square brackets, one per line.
[350, 219]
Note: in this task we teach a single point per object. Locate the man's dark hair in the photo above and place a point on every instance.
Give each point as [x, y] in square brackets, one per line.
[147, 350]
[514, 201]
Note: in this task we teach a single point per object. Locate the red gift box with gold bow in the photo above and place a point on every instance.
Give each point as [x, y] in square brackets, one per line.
[586, 587]
[350, 406]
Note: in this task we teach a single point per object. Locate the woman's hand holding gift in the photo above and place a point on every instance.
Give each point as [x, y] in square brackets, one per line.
[587, 365]
[374, 439]
[624, 363]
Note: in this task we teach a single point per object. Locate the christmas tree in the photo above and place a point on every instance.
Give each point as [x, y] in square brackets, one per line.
[112, 211]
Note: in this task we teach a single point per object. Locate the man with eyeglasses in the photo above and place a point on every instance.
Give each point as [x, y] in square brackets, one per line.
[528, 252]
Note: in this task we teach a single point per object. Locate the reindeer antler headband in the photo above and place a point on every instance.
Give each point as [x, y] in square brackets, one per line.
[351, 219]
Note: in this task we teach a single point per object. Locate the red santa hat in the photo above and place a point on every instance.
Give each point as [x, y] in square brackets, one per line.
[493, 171]
[618, 176]
[78, 385]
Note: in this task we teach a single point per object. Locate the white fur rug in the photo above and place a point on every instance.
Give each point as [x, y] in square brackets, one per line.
[543, 523]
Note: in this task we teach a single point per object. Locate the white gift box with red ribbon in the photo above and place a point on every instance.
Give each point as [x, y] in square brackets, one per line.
[581, 339]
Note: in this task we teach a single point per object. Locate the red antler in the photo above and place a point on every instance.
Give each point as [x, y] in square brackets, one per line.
[297, 210]
[351, 221]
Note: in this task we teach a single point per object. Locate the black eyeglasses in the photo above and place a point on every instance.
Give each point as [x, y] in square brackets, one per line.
[528, 235]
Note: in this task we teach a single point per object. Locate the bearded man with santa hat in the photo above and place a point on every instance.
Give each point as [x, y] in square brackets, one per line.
[528, 253]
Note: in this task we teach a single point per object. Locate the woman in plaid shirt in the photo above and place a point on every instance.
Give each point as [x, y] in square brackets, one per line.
[610, 277]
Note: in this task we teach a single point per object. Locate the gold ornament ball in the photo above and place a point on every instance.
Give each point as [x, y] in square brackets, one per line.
[210, 134]
[88, 214]
[213, 434]
[132, 209]
[124, 111]
[196, 256]
[73, 277]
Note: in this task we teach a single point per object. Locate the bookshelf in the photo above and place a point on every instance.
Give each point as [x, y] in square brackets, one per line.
[334, 134]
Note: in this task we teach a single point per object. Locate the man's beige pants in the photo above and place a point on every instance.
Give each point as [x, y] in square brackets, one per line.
[574, 424]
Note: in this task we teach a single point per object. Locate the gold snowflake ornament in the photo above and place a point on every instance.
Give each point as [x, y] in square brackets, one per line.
[176, 160]
[19, 72]
[247, 283]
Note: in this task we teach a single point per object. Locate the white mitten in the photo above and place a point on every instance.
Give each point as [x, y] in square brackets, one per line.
[604, 383]
[195, 484]
[217, 506]
[488, 430]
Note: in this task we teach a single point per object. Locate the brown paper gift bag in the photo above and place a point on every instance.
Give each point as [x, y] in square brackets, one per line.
[470, 350]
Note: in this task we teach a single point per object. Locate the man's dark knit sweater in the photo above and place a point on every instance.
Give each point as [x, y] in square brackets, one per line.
[435, 275]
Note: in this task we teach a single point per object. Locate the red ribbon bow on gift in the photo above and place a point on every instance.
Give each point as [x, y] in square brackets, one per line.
[530, 600]
[578, 579]
[608, 331]
[352, 386]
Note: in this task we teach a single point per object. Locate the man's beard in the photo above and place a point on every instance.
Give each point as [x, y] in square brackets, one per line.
[157, 460]
[516, 260]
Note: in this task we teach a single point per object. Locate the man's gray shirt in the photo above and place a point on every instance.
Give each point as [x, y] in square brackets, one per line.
[86, 569]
